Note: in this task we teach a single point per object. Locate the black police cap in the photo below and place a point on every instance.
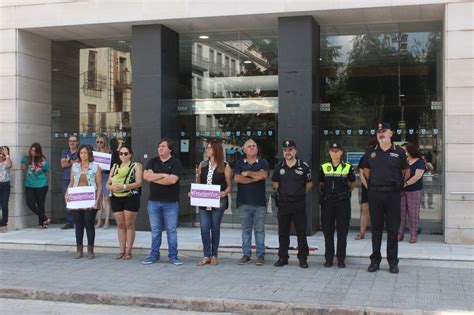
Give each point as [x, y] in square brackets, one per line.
[335, 146]
[288, 144]
[383, 126]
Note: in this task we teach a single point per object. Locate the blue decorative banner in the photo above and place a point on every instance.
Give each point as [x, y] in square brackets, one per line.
[249, 133]
[326, 132]
[349, 132]
[228, 133]
[259, 133]
[270, 133]
[337, 131]
[218, 133]
[399, 131]
[237, 133]
[423, 131]
[411, 131]
[197, 133]
[207, 133]
[361, 132]
[65, 135]
[372, 132]
[435, 131]
[183, 133]
[93, 134]
[124, 133]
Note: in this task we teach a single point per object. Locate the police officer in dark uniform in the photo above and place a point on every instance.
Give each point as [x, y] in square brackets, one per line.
[292, 180]
[336, 180]
[385, 167]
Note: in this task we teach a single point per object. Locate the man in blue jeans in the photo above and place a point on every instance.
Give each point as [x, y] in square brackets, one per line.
[68, 157]
[163, 172]
[250, 174]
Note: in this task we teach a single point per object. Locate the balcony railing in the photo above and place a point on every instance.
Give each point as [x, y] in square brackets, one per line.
[200, 61]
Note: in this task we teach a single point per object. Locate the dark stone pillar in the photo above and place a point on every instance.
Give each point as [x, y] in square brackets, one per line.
[155, 52]
[298, 97]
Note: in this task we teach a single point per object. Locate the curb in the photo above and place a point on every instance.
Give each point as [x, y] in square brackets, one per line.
[198, 304]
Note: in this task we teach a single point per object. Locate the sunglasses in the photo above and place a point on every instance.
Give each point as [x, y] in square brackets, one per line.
[101, 142]
[123, 153]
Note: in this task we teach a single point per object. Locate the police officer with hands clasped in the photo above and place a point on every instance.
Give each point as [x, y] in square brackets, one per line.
[292, 180]
[385, 167]
[336, 180]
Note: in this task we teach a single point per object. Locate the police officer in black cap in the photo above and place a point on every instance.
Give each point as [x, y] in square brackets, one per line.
[337, 180]
[292, 180]
[385, 166]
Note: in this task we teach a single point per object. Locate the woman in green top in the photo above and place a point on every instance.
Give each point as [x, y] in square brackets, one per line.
[124, 182]
[36, 171]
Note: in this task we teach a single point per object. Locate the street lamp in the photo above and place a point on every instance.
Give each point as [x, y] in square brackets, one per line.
[402, 40]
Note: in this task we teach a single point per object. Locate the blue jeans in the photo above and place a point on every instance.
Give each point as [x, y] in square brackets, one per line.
[253, 217]
[210, 230]
[162, 212]
[69, 217]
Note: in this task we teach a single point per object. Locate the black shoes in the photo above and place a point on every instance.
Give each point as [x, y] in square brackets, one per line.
[281, 262]
[303, 263]
[341, 264]
[328, 264]
[373, 268]
[67, 226]
[393, 269]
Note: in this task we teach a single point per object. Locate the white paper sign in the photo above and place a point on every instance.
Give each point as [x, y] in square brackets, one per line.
[102, 159]
[205, 195]
[184, 145]
[81, 197]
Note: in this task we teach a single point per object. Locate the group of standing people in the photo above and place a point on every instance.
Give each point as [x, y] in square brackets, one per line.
[391, 185]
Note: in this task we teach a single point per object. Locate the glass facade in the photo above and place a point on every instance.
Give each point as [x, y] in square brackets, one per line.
[396, 77]
[228, 89]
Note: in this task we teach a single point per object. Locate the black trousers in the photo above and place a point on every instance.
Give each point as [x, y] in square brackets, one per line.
[4, 197]
[84, 219]
[384, 209]
[336, 215]
[296, 213]
[35, 200]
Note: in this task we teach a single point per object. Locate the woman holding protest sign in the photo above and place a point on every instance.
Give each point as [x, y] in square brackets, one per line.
[85, 174]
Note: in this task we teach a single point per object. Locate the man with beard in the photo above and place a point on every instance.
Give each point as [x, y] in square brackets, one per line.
[385, 166]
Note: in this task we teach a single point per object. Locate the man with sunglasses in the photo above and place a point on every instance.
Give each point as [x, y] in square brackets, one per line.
[68, 157]
[385, 167]
[292, 180]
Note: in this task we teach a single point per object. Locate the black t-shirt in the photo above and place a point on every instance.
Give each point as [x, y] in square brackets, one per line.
[292, 179]
[385, 166]
[168, 193]
[252, 193]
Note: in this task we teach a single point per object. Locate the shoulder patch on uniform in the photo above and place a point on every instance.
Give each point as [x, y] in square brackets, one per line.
[373, 154]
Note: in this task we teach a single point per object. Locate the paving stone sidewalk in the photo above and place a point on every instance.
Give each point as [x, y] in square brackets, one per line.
[229, 287]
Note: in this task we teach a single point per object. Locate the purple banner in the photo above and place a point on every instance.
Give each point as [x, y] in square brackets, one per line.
[100, 159]
[204, 194]
[81, 196]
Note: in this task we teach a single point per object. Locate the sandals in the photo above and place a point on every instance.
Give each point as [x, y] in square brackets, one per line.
[214, 261]
[127, 256]
[204, 261]
[400, 237]
[359, 236]
[119, 256]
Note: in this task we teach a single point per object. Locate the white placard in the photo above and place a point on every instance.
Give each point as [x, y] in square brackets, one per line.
[102, 159]
[81, 197]
[205, 195]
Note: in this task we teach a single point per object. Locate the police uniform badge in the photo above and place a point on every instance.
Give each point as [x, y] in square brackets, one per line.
[282, 171]
[328, 168]
[287, 143]
[373, 154]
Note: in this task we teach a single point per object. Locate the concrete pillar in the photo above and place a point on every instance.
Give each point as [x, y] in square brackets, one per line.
[25, 109]
[155, 95]
[298, 96]
[459, 122]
